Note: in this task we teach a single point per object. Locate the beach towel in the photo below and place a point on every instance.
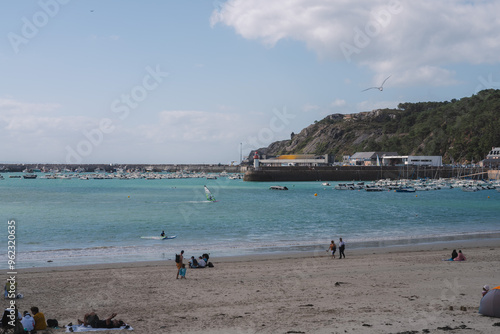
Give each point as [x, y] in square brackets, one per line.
[82, 328]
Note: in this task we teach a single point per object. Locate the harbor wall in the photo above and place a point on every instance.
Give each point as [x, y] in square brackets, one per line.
[207, 168]
[361, 173]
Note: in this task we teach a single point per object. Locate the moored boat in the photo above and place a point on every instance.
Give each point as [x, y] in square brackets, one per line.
[278, 188]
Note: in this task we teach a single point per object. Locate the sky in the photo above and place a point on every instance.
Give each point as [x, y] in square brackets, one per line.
[162, 82]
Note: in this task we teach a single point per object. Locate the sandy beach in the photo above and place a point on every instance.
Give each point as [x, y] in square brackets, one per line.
[391, 290]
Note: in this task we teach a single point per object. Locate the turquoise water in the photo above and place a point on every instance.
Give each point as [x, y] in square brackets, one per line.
[100, 221]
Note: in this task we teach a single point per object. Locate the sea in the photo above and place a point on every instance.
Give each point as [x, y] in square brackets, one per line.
[62, 222]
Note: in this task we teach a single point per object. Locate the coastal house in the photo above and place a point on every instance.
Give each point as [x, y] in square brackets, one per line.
[492, 159]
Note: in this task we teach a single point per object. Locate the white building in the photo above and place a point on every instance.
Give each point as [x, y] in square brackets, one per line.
[492, 159]
[415, 160]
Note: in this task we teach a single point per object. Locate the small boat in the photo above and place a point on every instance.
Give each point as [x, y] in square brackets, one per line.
[470, 188]
[345, 186]
[373, 188]
[325, 184]
[405, 190]
[29, 176]
[278, 188]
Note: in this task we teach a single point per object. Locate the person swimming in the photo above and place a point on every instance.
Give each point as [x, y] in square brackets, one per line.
[162, 233]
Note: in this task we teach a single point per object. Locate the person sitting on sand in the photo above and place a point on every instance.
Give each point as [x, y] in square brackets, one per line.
[92, 320]
[201, 263]
[193, 263]
[40, 323]
[486, 288]
[28, 322]
[454, 254]
[205, 257]
[460, 256]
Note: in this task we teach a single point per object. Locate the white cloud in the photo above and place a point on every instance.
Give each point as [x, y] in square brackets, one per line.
[310, 108]
[338, 103]
[10, 107]
[413, 40]
[38, 132]
[193, 126]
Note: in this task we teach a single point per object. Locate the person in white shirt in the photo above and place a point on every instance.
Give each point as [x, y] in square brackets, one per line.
[341, 248]
[28, 322]
[201, 263]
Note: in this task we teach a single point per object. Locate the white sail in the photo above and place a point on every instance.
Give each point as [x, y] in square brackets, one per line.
[209, 195]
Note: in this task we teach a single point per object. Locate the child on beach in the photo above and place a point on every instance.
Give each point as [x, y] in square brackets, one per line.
[182, 271]
[486, 288]
[332, 249]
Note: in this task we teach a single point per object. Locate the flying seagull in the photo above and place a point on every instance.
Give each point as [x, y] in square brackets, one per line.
[381, 88]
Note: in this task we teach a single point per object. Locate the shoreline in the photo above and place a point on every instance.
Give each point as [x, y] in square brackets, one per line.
[387, 291]
[396, 249]
[385, 245]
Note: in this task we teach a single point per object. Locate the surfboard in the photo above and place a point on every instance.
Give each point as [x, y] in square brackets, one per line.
[161, 238]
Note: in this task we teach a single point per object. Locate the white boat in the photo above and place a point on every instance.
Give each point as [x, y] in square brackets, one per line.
[470, 188]
[373, 188]
[344, 186]
[406, 189]
[325, 184]
[278, 188]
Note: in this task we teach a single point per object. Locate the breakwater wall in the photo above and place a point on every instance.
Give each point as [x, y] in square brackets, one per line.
[361, 173]
[207, 168]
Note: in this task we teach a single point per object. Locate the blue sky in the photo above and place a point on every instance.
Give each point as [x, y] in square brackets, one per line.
[196, 81]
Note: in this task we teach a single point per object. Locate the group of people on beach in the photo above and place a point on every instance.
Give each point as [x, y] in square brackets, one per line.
[28, 322]
[333, 248]
[457, 256]
[31, 323]
[201, 262]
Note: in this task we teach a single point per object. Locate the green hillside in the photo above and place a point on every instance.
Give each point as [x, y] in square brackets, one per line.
[459, 130]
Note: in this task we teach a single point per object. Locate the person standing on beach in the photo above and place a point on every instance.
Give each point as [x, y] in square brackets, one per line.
[332, 249]
[182, 271]
[341, 249]
[179, 263]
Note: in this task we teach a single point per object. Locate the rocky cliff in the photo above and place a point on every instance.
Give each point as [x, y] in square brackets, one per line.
[459, 130]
